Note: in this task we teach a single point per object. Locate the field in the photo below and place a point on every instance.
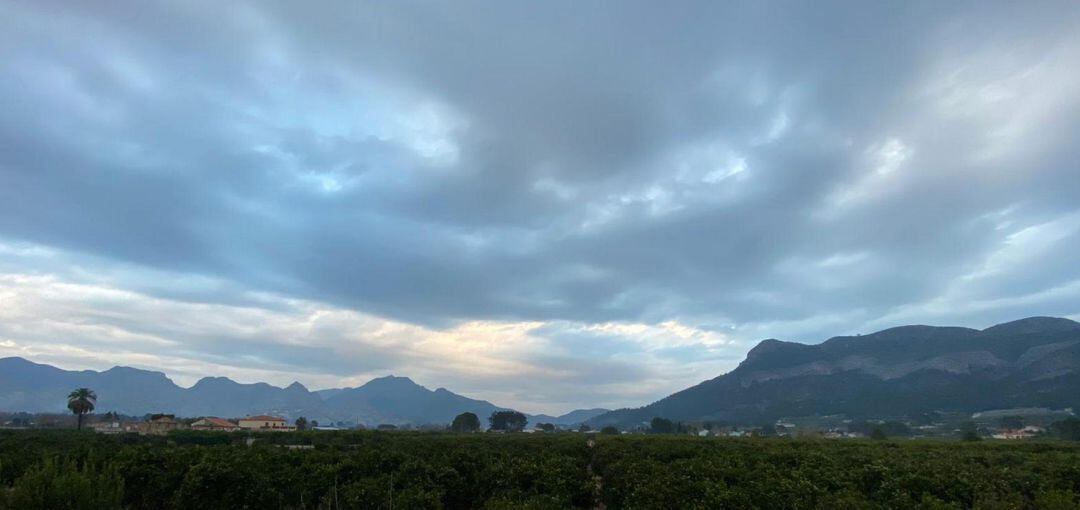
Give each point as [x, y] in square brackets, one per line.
[405, 470]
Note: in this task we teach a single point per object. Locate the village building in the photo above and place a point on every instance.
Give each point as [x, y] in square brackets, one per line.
[264, 422]
[1024, 433]
[115, 427]
[216, 424]
[161, 424]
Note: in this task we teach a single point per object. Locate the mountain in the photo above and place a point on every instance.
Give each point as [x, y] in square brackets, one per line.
[900, 371]
[399, 400]
[575, 417]
[453, 403]
[329, 392]
[34, 387]
[28, 386]
[221, 396]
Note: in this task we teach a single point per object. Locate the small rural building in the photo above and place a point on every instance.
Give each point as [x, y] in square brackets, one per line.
[115, 427]
[161, 424]
[212, 423]
[264, 422]
[1024, 433]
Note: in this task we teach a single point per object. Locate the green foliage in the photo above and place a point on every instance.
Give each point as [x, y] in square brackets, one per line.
[81, 401]
[969, 432]
[609, 431]
[1068, 428]
[510, 421]
[1056, 500]
[646, 472]
[301, 423]
[887, 429]
[465, 422]
[362, 469]
[660, 425]
[63, 484]
[342, 469]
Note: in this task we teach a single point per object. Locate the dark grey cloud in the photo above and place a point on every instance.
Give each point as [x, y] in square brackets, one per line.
[757, 169]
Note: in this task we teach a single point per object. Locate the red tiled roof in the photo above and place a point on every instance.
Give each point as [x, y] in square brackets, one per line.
[262, 417]
[217, 422]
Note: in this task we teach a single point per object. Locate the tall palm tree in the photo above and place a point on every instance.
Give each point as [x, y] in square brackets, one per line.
[81, 401]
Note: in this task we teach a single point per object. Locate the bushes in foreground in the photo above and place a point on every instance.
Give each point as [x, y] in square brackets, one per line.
[72, 470]
[334, 470]
[649, 472]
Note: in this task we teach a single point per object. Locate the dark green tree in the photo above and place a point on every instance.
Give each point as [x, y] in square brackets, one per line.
[584, 428]
[301, 423]
[546, 427]
[895, 428]
[81, 401]
[1068, 429]
[465, 422]
[509, 421]
[969, 431]
[609, 431]
[54, 483]
[878, 434]
[661, 426]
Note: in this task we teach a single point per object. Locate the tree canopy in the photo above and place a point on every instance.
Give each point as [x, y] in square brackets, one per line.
[465, 422]
[510, 421]
[81, 401]
[661, 426]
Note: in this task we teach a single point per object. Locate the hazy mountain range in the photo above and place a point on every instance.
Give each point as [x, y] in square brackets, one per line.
[896, 372]
[900, 371]
[33, 387]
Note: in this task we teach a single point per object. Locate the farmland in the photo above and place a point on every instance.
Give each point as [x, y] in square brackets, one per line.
[367, 469]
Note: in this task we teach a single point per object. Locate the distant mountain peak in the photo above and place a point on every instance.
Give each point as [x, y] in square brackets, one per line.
[19, 360]
[1033, 325]
[391, 381]
[769, 345]
[213, 381]
[295, 386]
[131, 370]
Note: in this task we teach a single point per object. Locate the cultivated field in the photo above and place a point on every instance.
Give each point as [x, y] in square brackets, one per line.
[406, 470]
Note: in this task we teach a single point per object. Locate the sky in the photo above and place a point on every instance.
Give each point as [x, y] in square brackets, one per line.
[549, 205]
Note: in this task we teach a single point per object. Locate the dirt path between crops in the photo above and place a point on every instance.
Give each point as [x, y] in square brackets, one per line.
[597, 480]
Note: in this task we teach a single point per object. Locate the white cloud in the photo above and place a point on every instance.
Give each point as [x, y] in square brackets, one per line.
[85, 325]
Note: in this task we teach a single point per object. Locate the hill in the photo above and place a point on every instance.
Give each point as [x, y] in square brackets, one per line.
[899, 371]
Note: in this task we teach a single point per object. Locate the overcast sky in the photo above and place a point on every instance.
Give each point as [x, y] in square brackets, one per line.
[549, 205]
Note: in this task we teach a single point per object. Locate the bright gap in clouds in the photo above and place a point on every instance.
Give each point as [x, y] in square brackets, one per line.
[540, 366]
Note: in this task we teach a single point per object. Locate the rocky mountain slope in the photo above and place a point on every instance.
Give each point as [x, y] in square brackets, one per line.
[898, 371]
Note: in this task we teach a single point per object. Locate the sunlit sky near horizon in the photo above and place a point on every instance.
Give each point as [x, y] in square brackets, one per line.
[549, 205]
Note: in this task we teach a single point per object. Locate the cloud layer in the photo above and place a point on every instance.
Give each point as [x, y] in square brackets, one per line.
[572, 196]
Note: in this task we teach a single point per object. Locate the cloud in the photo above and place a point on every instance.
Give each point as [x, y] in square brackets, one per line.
[544, 366]
[768, 169]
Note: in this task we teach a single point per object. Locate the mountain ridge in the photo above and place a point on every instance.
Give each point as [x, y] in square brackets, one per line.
[29, 386]
[906, 369]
